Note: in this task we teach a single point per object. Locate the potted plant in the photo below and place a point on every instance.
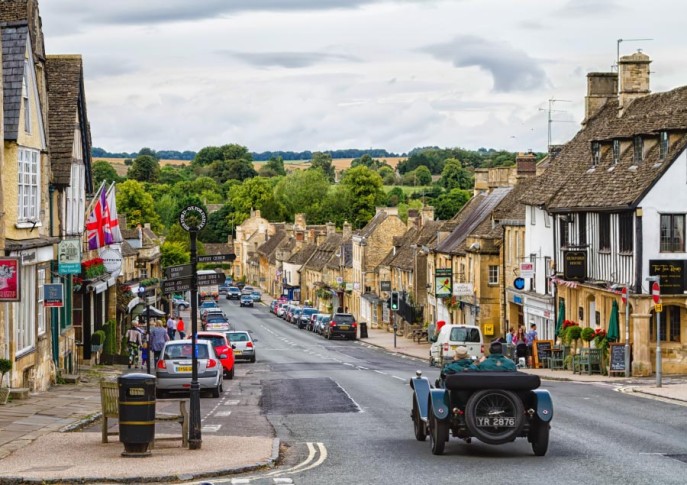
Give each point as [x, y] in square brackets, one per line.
[587, 335]
[601, 342]
[5, 367]
[97, 341]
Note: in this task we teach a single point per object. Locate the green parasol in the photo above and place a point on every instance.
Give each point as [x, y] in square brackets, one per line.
[613, 334]
[561, 317]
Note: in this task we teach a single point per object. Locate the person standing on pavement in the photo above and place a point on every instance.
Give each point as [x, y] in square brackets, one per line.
[158, 337]
[134, 339]
[181, 328]
[171, 327]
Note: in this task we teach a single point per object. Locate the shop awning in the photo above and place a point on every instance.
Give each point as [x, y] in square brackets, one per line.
[140, 309]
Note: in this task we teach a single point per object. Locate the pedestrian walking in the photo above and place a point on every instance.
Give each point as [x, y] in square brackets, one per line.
[134, 340]
[171, 327]
[144, 355]
[181, 328]
[158, 337]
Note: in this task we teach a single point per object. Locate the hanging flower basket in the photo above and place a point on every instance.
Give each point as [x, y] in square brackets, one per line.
[93, 268]
[451, 302]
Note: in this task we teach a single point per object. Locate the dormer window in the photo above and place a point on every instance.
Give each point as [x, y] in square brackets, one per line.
[25, 97]
[663, 145]
[616, 151]
[638, 144]
[596, 153]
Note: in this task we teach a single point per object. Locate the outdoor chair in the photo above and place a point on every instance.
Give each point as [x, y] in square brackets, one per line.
[588, 361]
[557, 359]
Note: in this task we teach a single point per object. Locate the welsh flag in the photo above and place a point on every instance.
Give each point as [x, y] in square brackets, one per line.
[98, 224]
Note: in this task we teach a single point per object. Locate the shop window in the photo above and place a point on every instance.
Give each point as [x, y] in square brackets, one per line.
[533, 281]
[582, 229]
[672, 233]
[670, 324]
[626, 231]
[604, 232]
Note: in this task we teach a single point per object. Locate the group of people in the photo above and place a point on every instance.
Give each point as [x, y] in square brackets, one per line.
[522, 337]
[139, 341]
[495, 362]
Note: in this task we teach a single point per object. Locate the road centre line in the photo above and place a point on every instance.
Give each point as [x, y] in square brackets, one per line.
[380, 372]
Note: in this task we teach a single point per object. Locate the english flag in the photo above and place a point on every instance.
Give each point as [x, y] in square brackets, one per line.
[114, 219]
[98, 224]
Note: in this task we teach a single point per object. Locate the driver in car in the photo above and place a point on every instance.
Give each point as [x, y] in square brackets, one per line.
[497, 362]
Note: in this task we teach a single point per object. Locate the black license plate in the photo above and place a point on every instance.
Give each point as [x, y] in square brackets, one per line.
[493, 421]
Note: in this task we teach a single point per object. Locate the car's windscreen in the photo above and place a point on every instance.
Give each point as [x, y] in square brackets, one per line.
[344, 319]
[183, 351]
[238, 337]
[465, 335]
[216, 341]
[309, 311]
[217, 319]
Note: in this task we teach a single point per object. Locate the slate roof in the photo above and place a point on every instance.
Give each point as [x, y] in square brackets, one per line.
[271, 244]
[374, 223]
[303, 255]
[324, 252]
[127, 249]
[217, 248]
[571, 183]
[471, 216]
[14, 41]
[65, 81]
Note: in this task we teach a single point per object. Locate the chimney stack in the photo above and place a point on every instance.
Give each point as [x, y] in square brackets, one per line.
[601, 87]
[526, 164]
[427, 214]
[331, 228]
[347, 230]
[634, 79]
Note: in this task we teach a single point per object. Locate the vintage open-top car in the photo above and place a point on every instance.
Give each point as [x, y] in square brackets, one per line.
[494, 407]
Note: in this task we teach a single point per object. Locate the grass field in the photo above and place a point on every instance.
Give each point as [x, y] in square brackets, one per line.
[339, 164]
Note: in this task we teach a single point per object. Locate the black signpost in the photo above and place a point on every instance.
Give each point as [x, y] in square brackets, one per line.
[193, 219]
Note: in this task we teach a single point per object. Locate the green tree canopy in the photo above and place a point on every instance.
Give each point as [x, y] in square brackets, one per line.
[454, 176]
[302, 191]
[104, 171]
[420, 176]
[144, 169]
[395, 197]
[251, 194]
[208, 155]
[323, 161]
[137, 204]
[364, 189]
[174, 253]
[274, 167]
[447, 205]
[217, 229]
[223, 170]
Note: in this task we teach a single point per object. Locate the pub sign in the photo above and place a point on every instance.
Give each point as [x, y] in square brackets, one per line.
[673, 275]
[575, 265]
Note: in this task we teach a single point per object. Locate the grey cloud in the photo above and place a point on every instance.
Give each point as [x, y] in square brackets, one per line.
[511, 69]
[98, 67]
[290, 60]
[137, 12]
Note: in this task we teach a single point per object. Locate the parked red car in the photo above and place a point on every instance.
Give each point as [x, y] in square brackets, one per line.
[223, 350]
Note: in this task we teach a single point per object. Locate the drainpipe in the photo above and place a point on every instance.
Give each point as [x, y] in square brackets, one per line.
[54, 315]
[639, 254]
[503, 281]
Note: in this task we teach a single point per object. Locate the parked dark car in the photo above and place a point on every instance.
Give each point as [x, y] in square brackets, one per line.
[304, 317]
[341, 324]
[233, 293]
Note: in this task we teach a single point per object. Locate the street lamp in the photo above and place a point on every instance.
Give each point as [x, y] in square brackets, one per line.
[142, 294]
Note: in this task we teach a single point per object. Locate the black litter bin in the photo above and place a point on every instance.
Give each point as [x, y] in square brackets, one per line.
[136, 413]
[363, 329]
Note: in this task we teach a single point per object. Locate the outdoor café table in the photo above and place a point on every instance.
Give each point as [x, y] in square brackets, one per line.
[557, 359]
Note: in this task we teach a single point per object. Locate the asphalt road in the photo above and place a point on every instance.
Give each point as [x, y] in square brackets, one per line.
[342, 409]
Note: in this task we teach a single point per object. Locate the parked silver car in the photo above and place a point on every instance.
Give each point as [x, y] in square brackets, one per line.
[243, 344]
[321, 321]
[173, 370]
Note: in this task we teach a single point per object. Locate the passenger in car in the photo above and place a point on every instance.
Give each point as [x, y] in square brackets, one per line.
[497, 362]
[461, 362]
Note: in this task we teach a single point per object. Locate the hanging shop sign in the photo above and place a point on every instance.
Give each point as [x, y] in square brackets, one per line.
[69, 257]
[10, 280]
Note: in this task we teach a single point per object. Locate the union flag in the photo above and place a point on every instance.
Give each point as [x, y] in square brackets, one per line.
[98, 224]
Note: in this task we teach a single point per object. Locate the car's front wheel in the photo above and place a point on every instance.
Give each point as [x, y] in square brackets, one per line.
[438, 434]
[252, 359]
[539, 435]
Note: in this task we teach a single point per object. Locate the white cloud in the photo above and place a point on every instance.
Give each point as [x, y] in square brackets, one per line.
[320, 74]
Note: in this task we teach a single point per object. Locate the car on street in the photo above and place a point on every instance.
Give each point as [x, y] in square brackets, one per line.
[304, 317]
[224, 287]
[246, 300]
[207, 304]
[247, 290]
[281, 309]
[321, 321]
[273, 306]
[243, 344]
[216, 324]
[173, 370]
[233, 293]
[256, 295]
[341, 324]
[296, 315]
[223, 349]
[180, 303]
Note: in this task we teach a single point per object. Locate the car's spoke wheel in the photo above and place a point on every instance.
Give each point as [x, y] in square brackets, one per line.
[540, 438]
[438, 434]
[418, 424]
[495, 416]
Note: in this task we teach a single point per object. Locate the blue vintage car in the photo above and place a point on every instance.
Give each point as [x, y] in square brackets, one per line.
[494, 407]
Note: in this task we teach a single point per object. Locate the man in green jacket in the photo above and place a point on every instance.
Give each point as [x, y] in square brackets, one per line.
[497, 362]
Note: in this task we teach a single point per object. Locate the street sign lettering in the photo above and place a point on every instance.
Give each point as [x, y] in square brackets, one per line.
[176, 286]
[193, 218]
[216, 258]
[211, 279]
[178, 271]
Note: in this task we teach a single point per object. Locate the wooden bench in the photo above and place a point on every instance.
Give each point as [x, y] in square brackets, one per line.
[420, 334]
[109, 401]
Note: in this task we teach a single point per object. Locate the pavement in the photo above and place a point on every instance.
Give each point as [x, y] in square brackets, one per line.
[48, 438]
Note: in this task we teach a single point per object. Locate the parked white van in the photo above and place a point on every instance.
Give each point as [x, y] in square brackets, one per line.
[448, 340]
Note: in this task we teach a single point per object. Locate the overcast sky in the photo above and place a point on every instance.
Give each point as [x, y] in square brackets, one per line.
[331, 74]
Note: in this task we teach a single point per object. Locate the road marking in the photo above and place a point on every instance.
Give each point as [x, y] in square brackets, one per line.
[399, 378]
[363, 368]
[223, 414]
[348, 364]
[380, 372]
[211, 428]
[231, 402]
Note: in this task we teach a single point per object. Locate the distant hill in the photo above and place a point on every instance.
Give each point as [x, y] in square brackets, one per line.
[102, 154]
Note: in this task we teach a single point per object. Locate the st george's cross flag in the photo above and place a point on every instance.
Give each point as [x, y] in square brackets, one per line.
[98, 224]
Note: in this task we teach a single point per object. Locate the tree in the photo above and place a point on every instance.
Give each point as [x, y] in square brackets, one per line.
[166, 207]
[251, 194]
[275, 166]
[103, 171]
[144, 169]
[217, 229]
[396, 196]
[223, 170]
[323, 161]
[208, 155]
[302, 191]
[149, 152]
[454, 176]
[364, 188]
[447, 205]
[172, 174]
[137, 204]
[388, 175]
[233, 151]
[174, 253]
[417, 177]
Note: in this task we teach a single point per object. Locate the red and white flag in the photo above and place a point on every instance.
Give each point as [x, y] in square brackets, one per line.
[98, 223]
[115, 232]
